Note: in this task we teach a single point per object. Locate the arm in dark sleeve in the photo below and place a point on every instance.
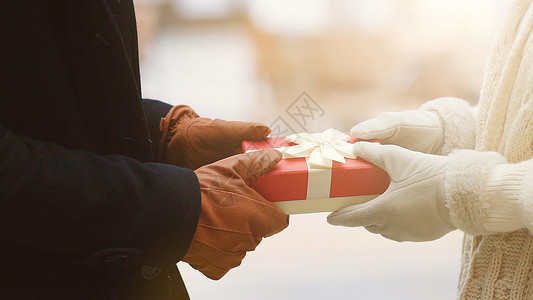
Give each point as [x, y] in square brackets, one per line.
[77, 203]
[154, 110]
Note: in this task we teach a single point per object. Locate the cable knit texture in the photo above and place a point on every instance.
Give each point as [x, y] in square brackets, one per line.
[499, 266]
[457, 119]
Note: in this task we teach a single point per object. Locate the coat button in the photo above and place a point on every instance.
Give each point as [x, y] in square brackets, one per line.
[129, 146]
[150, 272]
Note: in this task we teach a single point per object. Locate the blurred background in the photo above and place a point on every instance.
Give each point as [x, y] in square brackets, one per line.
[251, 60]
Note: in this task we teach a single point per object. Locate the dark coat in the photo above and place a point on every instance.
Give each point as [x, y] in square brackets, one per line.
[83, 211]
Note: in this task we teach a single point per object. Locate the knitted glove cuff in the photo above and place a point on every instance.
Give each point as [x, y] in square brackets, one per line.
[526, 197]
[457, 120]
[466, 190]
[505, 190]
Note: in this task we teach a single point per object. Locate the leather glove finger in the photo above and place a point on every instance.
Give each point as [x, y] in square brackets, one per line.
[212, 140]
[191, 142]
[232, 174]
[227, 133]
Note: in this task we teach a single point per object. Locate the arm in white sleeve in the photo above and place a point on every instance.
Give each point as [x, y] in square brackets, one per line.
[487, 195]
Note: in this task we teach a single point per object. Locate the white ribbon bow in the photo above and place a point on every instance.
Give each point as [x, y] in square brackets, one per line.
[320, 148]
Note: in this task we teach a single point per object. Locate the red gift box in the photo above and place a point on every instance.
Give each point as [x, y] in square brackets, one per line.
[288, 187]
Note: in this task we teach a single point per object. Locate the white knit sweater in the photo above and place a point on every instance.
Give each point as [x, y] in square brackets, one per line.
[489, 190]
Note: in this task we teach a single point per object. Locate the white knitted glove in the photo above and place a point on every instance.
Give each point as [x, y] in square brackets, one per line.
[413, 207]
[437, 127]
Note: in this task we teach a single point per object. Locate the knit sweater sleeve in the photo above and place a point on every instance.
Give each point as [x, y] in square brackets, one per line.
[457, 118]
[487, 195]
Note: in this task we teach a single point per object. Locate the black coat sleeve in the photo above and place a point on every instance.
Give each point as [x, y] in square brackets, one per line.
[154, 110]
[77, 203]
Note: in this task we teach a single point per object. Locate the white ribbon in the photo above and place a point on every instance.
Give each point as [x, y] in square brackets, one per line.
[320, 149]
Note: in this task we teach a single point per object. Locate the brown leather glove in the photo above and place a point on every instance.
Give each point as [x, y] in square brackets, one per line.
[234, 217]
[190, 142]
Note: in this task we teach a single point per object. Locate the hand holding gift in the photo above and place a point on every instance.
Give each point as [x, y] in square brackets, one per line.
[413, 207]
[437, 127]
[234, 217]
[416, 130]
[190, 142]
